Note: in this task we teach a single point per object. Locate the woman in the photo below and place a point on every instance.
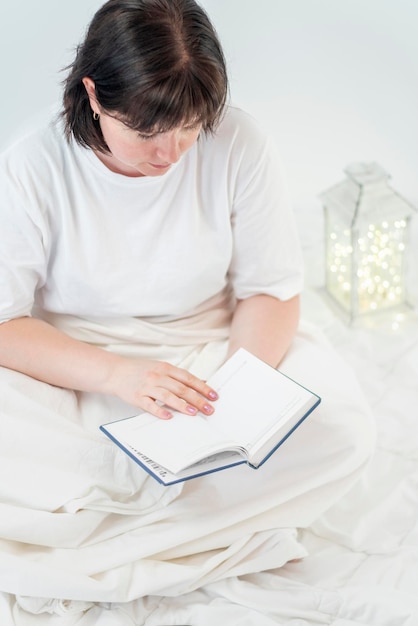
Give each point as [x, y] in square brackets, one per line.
[147, 235]
[138, 113]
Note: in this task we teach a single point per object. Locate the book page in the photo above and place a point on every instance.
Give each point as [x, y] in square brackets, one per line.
[175, 443]
[255, 400]
[205, 466]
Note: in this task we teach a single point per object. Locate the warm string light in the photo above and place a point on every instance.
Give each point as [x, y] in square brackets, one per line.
[339, 264]
[376, 279]
[367, 231]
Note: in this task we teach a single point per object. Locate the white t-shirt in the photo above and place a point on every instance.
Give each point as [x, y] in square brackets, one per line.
[76, 238]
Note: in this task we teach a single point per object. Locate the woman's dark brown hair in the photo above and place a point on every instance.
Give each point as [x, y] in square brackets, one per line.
[156, 65]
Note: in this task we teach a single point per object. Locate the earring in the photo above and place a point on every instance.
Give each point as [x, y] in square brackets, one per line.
[95, 116]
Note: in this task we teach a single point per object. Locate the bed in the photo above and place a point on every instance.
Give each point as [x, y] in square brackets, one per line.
[361, 563]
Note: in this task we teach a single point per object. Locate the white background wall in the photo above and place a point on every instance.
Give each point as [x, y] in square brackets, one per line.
[334, 81]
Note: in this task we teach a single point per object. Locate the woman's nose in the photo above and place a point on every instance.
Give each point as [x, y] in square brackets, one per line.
[169, 148]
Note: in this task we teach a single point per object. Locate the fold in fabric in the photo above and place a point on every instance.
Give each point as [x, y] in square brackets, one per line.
[79, 521]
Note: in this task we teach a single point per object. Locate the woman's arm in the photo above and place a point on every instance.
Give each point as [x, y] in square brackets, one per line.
[39, 350]
[264, 326]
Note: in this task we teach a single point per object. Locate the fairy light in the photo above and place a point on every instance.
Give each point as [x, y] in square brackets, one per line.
[365, 252]
[380, 265]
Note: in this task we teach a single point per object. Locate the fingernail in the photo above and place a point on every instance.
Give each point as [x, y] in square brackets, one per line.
[207, 408]
[167, 415]
[191, 409]
[213, 395]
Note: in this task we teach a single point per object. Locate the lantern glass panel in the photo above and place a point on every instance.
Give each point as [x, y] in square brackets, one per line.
[380, 265]
[339, 260]
[366, 233]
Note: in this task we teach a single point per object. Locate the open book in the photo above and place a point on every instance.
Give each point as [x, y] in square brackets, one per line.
[258, 408]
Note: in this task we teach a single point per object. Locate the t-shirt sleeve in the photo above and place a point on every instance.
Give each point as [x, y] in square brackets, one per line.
[22, 246]
[267, 255]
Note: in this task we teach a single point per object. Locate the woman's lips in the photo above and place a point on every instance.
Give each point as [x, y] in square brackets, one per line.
[160, 167]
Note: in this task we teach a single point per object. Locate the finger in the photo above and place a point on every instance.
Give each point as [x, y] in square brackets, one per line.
[179, 389]
[181, 398]
[197, 384]
[151, 406]
[194, 400]
[158, 400]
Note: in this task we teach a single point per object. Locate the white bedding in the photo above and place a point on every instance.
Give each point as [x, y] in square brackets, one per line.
[357, 565]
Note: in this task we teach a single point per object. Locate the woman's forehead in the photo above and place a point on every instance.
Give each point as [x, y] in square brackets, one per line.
[157, 127]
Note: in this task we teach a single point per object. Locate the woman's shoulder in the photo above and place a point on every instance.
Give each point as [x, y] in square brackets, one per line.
[238, 120]
[34, 148]
[239, 138]
[239, 129]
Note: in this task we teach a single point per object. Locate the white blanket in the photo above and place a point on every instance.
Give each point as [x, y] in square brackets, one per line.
[87, 535]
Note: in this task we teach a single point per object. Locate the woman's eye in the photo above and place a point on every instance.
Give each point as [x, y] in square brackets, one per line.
[145, 137]
[192, 127]
[186, 129]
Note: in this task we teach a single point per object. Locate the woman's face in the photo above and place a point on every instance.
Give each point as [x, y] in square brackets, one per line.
[135, 154]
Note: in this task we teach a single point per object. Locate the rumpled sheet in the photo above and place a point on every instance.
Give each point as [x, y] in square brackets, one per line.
[88, 538]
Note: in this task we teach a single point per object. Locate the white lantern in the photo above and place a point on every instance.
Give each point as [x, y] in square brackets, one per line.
[366, 236]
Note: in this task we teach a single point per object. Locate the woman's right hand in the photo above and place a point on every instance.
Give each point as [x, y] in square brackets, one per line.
[35, 348]
[157, 387]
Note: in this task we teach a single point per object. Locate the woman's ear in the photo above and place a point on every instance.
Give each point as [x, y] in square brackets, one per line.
[90, 87]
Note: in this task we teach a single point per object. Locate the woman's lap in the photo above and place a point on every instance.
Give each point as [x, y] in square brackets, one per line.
[79, 505]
